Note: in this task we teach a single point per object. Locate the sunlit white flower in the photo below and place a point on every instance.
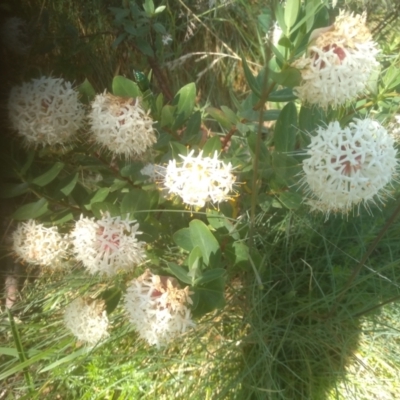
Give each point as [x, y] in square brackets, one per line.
[198, 180]
[348, 166]
[87, 319]
[158, 308]
[45, 111]
[120, 125]
[153, 171]
[166, 39]
[108, 244]
[339, 62]
[14, 35]
[38, 245]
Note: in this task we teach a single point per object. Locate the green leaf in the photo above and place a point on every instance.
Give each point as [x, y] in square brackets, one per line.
[9, 190]
[100, 195]
[100, 208]
[159, 9]
[264, 20]
[392, 78]
[220, 117]
[49, 176]
[211, 146]
[195, 262]
[86, 91]
[283, 95]
[291, 11]
[124, 87]
[209, 276]
[218, 221]
[286, 129]
[177, 150]
[251, 80]
[184, 101]
[285, 168]
[192, 131]
[167, 115]
[180, 273]
[289, 77]
[31, 210]
[208, 297]
[136, 203]
[280, 15]
[202, 237]
[309, 120]
[148, 7]
[263, 151]
[112, 297]
[182, 239]
[291, 200]
[67, 185]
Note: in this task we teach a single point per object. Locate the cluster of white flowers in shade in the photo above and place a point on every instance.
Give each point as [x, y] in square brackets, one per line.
[158, 308]
[87, 320]
[45, 111]
[339, 62]
[108, 244]
[35, 244]
[199, 179]
[348, 166]
[121, 125]
[14, 35]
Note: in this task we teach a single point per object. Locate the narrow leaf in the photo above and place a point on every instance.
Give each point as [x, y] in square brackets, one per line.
[50, 175]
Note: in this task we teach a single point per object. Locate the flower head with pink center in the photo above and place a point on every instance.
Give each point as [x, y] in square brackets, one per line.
[348, 166]
[108, 244]
[339, 63]
[45, 111]
[198, 180]
[39, 245]
[158, 308]
[121, 125]
[87, 320]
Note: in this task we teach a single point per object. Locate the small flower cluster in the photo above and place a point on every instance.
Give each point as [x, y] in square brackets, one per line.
[87, 320]
[45, 111]
[348, 166]
[107, 245]
[35, 244]
[198, 180]
[158, 308]
[339, 63]
[121, 125]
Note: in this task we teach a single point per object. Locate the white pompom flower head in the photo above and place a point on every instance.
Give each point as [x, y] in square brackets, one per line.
[198, 180]
[107, 245]
[339, 63]
[158, 308]
[121, 126]
[87, 319]
[38, 245]
[45, 112]
[349, 166]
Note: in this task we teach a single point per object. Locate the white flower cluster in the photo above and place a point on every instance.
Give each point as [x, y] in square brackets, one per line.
[38, 245]
[14, 35]
[121, 125]
[158, 308]
[87, 320]
[153, 172]
[108, 244]
[339, 63]
[45, 111]
[348, 165]
[200, 179]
